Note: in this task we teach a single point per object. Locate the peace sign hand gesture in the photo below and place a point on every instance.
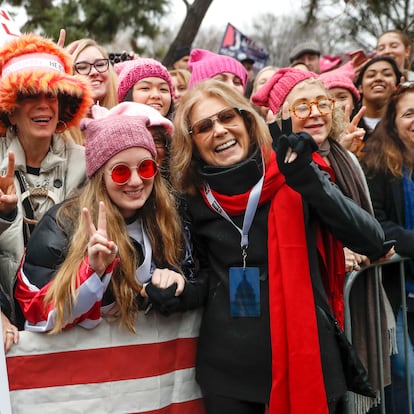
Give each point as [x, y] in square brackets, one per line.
[8, 197]
[101, 251]
[352, 137]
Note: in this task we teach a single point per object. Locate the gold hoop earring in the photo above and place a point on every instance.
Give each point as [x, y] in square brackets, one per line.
[61, 127]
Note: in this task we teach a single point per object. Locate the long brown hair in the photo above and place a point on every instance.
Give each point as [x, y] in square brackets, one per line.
[185, 162]
[162, 224]
[384, 151]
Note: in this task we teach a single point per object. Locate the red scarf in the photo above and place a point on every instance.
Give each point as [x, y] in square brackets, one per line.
[297, 379]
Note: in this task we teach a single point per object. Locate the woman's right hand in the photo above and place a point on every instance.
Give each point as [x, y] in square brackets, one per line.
[8, 197]
[352, 137]
[10, 333]
[101, 251]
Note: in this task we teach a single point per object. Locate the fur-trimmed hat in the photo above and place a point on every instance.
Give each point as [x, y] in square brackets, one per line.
[204, 64]
[31, 64]
[274, 92]
[132, 71]
[111, 131]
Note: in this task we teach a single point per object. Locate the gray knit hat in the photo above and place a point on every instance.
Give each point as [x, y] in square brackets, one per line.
[305, 47]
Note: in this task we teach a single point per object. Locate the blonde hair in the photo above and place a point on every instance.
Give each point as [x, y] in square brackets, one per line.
[183, 75]
[339, 123]
[162, 224]
[111, 97]
[185, 161]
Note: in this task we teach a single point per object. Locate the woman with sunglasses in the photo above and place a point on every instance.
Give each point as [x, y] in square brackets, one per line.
[120, 238]
[256, 243]
[388, 162]
[305, 99]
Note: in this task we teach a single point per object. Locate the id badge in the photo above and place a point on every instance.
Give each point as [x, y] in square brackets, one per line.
[244, 292]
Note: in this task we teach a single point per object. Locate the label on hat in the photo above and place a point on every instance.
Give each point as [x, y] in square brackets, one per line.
[33, 61]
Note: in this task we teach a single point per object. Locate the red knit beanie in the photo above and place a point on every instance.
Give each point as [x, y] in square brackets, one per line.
[204, 64]
[131, 71]
[112, 131]
[274, 92]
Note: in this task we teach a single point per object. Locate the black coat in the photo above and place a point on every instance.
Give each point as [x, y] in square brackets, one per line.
[389, 207]
[234, 354]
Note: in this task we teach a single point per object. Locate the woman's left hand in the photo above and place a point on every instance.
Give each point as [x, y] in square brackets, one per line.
[353, 261]
[164, 278]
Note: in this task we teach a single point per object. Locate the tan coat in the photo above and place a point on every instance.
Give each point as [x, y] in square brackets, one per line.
[61, 172]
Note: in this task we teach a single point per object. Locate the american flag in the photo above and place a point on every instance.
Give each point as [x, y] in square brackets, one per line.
[108, 369]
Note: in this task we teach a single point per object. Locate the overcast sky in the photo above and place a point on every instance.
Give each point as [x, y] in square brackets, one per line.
[237, 12]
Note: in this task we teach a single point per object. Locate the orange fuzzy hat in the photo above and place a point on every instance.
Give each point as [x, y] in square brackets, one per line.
[32, 64]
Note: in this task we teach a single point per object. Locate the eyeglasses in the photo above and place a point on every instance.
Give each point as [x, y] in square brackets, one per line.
[303, 110]
[84, 68]
[226, 117]
[121, 173]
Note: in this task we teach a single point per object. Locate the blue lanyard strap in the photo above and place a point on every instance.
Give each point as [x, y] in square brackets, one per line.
[251, 208]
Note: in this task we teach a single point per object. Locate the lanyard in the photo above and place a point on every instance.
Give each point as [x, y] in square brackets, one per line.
[251, 208]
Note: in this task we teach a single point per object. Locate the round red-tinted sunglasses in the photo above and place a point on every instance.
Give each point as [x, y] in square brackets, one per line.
[146, 169]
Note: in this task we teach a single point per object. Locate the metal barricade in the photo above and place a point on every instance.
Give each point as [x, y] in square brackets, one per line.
[350, 280]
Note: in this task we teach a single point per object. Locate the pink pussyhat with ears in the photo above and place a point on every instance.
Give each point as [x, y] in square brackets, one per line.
[204, 64]
[111, 131]
[136, 109]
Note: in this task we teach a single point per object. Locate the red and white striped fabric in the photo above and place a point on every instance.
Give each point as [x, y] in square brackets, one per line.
[108, 369]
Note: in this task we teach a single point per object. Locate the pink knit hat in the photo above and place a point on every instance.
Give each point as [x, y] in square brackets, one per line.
[341, 78]
[138, 109]
[274, 92]
[131, 71]
[204, 64]
[112, 131]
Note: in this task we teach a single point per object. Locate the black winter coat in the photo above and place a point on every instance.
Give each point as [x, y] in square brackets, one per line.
[234, 354]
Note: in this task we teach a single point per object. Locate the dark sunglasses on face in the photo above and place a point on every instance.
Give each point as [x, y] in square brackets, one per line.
[146, 169]
[84, 68]
[226, 117]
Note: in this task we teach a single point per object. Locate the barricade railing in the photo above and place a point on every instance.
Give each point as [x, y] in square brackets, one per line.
[352, 277]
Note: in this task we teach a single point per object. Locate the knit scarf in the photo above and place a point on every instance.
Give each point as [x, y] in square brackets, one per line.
[297, 378]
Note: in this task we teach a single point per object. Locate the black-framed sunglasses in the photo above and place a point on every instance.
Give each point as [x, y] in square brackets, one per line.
[84, 68]
[226, 117]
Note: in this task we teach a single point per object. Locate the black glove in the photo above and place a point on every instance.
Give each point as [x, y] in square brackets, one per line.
[301, 143]
[163, 300]
[276, 132]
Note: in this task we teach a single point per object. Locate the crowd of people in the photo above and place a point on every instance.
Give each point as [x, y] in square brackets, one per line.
[127, 187]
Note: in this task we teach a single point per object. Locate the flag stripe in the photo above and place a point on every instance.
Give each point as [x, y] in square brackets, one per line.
[109, 369]
[149, 360]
